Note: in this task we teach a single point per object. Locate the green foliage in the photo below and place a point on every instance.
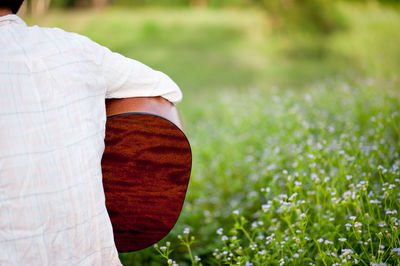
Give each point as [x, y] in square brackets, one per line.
[319, 16]
[70, 3]
[61, 3]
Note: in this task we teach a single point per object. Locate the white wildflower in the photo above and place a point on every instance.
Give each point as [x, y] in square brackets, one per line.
[396, 251]
[357, 224]
[292, 196]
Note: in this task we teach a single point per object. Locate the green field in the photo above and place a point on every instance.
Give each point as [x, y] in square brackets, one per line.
[295, 136]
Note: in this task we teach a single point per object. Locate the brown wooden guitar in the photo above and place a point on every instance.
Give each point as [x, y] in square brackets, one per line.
[146, 168]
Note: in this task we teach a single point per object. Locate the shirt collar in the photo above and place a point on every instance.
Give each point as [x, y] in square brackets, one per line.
[7, 19]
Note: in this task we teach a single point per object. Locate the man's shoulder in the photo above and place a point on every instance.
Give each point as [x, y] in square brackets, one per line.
[59, 40]
[58, 33]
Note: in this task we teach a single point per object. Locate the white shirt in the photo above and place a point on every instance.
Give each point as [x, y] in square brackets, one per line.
[52, 127]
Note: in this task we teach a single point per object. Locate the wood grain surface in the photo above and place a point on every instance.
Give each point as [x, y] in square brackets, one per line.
[146, 169]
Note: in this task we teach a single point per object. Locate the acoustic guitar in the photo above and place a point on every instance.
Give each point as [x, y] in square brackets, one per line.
[146, 168]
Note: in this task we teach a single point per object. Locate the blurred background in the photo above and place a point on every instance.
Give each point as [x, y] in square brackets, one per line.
[233, 59]
[214, 44]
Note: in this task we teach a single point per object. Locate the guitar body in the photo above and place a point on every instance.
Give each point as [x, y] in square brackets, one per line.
[146, 168]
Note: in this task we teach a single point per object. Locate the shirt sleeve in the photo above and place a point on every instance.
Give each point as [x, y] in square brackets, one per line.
[127, 77]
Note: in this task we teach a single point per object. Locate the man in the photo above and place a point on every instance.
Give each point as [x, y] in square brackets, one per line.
[52, 127]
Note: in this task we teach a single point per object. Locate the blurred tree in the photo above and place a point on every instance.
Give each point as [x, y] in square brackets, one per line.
[35, 7]
[100, 3]
[202, 3]
[318, 16]
[83, 3]
[39, 7]
[62, 3]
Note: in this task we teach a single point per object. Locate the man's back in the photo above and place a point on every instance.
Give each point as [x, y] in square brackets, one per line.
[52, 124]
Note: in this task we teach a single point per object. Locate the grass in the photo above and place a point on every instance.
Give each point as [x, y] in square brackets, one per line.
[298, 167]
[295, 137]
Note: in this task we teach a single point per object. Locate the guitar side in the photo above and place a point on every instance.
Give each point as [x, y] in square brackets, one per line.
[146, 168]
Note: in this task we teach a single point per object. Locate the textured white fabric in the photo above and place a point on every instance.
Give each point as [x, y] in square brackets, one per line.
[52, 127]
